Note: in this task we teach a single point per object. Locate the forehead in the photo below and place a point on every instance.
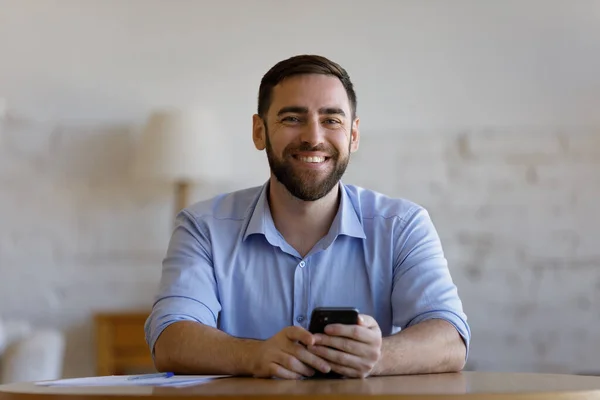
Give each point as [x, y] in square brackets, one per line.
[313, 91]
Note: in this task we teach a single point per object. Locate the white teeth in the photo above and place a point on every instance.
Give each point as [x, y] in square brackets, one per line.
[312, 159]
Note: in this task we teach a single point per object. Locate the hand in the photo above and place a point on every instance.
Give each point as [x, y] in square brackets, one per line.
[351, 350]
[285, 356]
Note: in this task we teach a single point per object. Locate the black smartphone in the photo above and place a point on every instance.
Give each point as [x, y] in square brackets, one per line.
[323, 316]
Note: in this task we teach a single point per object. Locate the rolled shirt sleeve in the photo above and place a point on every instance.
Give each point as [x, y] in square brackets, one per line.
[188, 289]
[422, 287]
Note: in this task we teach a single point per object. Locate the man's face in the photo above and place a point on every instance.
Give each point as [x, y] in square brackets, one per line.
[308, 134]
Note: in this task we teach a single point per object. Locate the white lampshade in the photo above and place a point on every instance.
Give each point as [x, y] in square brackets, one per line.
[179, 145]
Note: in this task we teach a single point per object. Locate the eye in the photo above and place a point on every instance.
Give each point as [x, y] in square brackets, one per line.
[332, 121]
[291, 119]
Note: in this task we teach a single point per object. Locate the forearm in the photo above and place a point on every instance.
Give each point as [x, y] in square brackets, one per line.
[432, 346]
[191, 348]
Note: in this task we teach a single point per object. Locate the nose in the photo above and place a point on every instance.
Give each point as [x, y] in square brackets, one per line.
[312, 132]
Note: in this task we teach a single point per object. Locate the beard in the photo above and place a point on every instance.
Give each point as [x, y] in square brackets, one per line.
[306, 185]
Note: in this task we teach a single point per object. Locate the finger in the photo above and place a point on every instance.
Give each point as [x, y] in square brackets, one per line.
[291, 363]
[347, 371]
[367, 321]
[356, 332]
[337, 357]
[346, 345]
[278, 371]
[310, 359]
[297, 334]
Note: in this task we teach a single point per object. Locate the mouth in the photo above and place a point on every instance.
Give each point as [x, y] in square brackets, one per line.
[312, 159]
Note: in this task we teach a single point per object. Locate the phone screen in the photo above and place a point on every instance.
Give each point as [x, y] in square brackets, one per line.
[323, 316]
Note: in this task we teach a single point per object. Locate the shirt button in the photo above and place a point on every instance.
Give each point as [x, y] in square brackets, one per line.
[302, 264]
[300, 318]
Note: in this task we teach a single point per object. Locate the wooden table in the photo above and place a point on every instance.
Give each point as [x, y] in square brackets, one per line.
[465, 385]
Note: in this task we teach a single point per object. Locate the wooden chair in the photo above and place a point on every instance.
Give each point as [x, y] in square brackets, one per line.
[120, 343]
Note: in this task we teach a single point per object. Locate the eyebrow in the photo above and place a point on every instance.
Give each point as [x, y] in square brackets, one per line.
[304, 110]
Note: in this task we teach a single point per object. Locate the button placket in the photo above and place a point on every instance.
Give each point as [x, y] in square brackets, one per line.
[300, 293]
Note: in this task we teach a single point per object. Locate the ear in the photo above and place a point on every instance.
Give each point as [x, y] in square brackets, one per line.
[258, 132]
[354, 135]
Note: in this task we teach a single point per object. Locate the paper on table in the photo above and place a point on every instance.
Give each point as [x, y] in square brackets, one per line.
[124, 380]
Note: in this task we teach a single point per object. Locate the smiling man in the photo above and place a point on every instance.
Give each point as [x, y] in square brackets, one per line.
[244, 270]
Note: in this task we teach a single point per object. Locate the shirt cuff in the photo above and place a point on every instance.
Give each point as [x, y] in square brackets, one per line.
[459, 323]
[169, 310]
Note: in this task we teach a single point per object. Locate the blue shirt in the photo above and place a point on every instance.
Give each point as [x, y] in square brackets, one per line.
[228, 267]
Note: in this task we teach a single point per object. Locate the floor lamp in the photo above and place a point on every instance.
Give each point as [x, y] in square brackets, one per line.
[178, 146]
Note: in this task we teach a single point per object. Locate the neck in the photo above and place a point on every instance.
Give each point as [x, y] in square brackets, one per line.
[302, 223]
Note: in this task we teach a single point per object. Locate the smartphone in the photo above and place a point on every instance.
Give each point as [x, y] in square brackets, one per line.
[323, 316]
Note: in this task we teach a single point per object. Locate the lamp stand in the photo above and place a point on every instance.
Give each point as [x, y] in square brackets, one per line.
[182, 194]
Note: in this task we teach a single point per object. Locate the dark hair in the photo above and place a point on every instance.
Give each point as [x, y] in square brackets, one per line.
[299, 65]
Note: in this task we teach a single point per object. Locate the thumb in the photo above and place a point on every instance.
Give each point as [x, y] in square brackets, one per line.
[366, 321]
[295, 333]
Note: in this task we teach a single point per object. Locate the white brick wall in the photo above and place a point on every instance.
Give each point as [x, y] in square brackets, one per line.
[77, 235]
[516, 212]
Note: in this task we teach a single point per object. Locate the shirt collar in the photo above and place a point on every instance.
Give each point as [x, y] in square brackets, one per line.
[346, 222]
[261, 220]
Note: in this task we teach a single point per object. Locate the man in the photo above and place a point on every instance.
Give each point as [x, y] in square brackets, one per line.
[244, 270]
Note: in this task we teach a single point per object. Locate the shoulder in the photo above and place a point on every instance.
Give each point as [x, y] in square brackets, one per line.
[235, 205]
[371, 204]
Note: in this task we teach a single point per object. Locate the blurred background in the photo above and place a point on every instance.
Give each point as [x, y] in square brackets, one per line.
[485, 112]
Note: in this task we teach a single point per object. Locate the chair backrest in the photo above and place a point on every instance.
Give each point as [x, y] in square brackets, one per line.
[34, 357]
